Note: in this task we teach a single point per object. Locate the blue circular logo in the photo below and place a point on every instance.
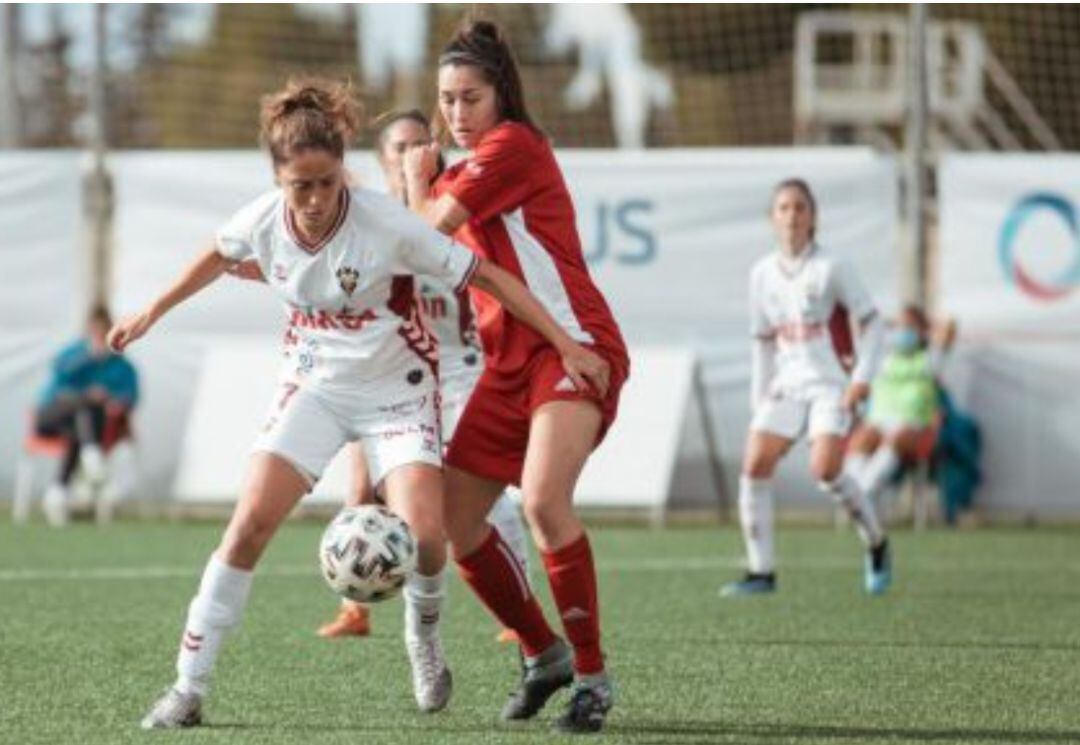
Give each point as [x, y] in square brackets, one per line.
[1046, 290]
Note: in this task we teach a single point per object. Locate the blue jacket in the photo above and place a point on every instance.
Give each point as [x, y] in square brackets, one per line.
[75, 370]
[958, 452]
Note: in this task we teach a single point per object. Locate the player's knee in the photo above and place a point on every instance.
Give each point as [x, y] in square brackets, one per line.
[760, 461]
[865, 440]
[906, 443]
[757, 469]
[825, 470]
[759, 464]
[548, 516]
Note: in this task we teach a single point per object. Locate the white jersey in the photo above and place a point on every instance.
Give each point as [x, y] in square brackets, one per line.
[351, 299]
[807, 307]
[449, 316]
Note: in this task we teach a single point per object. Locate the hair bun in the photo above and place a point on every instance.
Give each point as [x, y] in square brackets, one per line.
[305, 98]
[309, 112]
[484, 30]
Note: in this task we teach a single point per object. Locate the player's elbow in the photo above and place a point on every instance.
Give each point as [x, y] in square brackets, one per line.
[444, 224]
[446, 215]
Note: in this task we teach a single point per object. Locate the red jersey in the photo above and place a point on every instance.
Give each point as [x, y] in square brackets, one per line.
[522, 219]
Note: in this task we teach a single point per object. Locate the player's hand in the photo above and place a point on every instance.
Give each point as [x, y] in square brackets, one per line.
[587, 369]
[128, 330]
[421, 163]
[246, 270]
[855, 394]
[943, 334]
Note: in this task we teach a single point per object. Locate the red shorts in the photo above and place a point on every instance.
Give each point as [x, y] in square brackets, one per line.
[493, 433]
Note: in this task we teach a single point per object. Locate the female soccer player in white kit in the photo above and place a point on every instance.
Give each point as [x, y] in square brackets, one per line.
[358, 366]
[802, 303]
[449, 316]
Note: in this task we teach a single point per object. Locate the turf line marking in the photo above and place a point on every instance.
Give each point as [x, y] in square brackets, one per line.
[666, 564]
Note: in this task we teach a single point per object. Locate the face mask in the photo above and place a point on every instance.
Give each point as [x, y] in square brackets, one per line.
[905, 339]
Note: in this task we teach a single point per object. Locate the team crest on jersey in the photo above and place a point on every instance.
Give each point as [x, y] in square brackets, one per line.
[347, 278]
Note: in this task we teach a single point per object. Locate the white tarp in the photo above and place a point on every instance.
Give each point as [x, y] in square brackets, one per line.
[1010, 272]
[670, 236]
[214, 450]
[41, 263]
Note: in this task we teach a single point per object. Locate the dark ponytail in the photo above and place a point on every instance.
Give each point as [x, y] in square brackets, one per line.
[483, 45]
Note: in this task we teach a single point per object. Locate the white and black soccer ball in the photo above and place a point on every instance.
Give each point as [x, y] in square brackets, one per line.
[366, 552]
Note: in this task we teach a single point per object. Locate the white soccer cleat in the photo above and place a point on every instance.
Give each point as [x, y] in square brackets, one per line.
[55, 505]
[432, 681]
[174, 710]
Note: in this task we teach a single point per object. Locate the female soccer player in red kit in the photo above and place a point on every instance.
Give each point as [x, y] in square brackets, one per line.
[529, 422]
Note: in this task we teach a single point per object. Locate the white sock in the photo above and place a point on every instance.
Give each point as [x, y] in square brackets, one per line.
[847, 493]
[216, 609]
[756, 517]
[424, 597]
[879, 470]
[855, 463]
[505, 515]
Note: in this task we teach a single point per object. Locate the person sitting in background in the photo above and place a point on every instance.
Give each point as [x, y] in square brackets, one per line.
[903, 417]
[91, 389]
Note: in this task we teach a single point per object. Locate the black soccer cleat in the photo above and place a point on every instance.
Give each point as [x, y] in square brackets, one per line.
[541, 677]
[588, 706]
[751, 584]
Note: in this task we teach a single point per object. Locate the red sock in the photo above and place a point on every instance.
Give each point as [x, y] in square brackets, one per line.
[573, 583]
[499, 580]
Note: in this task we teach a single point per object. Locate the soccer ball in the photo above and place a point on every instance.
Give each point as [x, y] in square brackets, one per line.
[366, 552]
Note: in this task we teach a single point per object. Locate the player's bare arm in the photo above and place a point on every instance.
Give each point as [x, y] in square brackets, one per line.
[206, 268]
[871, 337]
[247, 269]
[586, 368]
[445, 214]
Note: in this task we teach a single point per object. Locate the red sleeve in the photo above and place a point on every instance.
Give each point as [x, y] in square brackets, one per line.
[498, 178]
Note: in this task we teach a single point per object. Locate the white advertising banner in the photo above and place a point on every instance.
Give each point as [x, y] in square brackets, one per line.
[1010, 273]
[215, 448]
[41, 287]
[670, 236]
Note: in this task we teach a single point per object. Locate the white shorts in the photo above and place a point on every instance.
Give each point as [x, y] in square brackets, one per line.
[790, 416]
[455, 392]
[307, 426]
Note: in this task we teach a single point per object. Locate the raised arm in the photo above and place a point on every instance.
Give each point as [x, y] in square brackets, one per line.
[206, 268]
[445, 213]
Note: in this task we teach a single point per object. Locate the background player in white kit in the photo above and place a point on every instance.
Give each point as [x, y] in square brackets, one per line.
[803, 303]
[358, 365]
[449, 316]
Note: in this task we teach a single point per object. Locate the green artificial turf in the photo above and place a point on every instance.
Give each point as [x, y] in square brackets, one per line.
[979, 642]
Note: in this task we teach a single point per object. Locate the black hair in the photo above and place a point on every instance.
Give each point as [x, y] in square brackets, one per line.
[482, 44]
